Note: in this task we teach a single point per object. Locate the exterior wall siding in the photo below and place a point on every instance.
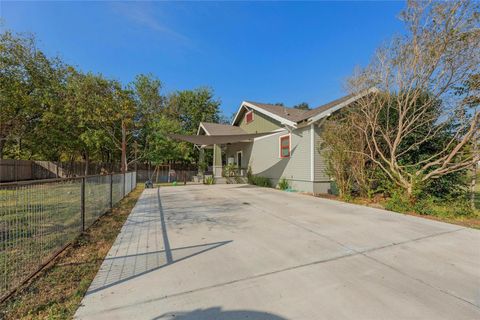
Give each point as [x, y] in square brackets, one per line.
[261, 123]
[264, 156]
[320, 165]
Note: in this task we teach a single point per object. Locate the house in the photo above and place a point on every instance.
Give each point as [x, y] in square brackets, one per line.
[274, 141]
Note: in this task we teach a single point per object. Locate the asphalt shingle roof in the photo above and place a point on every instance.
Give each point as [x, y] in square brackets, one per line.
[297, 115]
[291, 114]
[215, 129]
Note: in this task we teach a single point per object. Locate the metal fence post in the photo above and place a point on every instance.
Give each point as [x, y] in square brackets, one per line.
[82, 206]
[111, 190]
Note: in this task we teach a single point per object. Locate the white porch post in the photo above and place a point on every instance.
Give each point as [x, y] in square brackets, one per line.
[217, 161]
[201, 162]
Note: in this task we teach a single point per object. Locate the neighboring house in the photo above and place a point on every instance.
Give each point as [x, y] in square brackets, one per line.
[274, 141]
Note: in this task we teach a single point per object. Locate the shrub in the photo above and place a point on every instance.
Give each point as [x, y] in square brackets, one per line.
[202, 166]
[429, 205]
[283, 184]
[462, 208]
[250, 176]
[210, 180]
[257, 180]
[263, 182]
[425, 206]
[398, 202]
[230, 170]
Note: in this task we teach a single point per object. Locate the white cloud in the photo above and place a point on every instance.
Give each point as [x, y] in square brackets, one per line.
[142, 15]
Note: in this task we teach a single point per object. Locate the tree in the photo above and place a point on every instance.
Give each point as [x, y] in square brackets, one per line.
[100, 112]
[343, 149]
[190, 107]
[162, 148]
[28, 86]
[439, 52]
[470, 91]
[150, 104]
[302, 106]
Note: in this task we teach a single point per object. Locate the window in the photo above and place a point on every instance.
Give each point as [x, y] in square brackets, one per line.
[285, 146]
[249, 117]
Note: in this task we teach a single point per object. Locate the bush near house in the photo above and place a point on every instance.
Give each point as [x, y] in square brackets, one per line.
[230, 173]
[283, 184]
[258, 180]
[262, 182]
[210, 180]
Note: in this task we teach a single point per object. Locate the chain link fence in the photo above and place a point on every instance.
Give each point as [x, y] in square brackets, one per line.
[38, 219]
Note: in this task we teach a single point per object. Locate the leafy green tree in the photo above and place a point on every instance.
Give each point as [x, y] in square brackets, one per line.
[438, 52]
[302, 106]
[29, 84]
[149, 104]
[162, 148]
[190, 107]
[52, 111]
[86, 98]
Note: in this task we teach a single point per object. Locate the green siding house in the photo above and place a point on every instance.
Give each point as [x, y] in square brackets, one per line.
[274, 141]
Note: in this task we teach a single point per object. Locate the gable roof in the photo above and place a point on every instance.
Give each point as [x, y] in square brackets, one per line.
[292, 116]
[216, 129]
[315, 111]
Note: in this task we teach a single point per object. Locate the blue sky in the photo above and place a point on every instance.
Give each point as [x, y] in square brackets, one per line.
[287, 52]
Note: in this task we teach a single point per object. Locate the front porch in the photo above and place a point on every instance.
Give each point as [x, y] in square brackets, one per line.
[224, 161]
[224, 150]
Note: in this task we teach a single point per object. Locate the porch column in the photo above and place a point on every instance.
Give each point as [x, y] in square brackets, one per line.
[217, 161]
[201, 162]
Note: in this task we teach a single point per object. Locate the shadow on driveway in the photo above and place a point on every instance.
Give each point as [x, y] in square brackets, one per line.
[216, 313]
[135, 236]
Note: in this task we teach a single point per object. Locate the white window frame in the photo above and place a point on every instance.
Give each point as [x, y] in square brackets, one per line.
[289, 146]
[245, 117]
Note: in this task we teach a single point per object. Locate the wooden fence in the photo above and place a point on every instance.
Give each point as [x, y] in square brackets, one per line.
[19, 170]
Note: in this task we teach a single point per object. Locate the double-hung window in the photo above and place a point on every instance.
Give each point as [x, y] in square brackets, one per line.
[285, 146]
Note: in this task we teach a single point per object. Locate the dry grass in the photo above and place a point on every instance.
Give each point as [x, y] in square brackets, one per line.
[56, 292]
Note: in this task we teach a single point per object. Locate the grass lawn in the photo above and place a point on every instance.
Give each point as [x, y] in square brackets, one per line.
[56, 292]
[39, 219]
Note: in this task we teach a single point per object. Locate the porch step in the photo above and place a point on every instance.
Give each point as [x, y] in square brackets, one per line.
[230, 180]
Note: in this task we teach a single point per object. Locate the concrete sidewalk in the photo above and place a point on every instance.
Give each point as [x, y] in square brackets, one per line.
[241, 252]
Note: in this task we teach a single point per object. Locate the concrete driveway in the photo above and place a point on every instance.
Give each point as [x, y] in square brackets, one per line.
[241, 252]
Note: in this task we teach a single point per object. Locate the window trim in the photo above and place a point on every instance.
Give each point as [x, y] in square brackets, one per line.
[246, 114]
[289, 146]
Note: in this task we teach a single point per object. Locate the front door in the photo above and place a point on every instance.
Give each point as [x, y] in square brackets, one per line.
[239, 159]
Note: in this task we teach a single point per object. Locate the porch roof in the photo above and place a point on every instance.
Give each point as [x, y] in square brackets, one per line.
[218, 139]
